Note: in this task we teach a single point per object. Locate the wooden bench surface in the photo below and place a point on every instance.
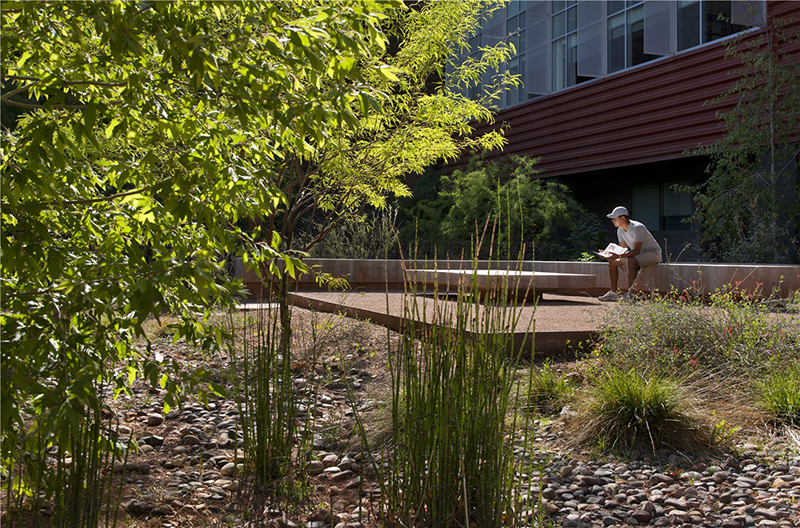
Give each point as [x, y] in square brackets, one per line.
[512, 280]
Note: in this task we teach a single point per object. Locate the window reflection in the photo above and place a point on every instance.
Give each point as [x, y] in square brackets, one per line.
[555, 40]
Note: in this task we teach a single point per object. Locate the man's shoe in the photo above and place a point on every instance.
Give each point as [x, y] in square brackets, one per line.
[611, 296]
[629, 297]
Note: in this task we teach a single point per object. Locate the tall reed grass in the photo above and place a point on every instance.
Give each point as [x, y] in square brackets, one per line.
[67, 480]
[271, 424]
[451, 461]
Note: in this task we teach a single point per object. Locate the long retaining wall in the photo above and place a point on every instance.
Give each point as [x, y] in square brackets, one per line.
[390, 275]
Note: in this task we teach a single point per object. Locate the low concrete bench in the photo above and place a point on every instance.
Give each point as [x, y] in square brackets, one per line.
[520, 285]
[380, 275]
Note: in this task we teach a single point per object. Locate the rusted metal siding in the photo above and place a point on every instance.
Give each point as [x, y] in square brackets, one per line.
[650, 113]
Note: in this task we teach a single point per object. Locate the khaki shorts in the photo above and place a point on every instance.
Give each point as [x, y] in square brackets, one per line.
[648, 258]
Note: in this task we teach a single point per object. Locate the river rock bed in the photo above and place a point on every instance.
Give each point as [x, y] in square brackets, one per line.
[188, 471]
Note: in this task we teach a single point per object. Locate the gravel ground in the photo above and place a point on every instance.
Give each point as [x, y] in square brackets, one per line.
[188, 472]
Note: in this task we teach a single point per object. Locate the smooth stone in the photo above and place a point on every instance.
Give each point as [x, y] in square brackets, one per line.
[153, 440]
[189, 440]
[137, 507]
[330, 460]
[342, 476]
[642, 516]
[315, 467]
[767, 513]
[154, 419]
[228, 470]
[732, 523]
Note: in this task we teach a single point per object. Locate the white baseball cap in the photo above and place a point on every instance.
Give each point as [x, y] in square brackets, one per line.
[618, 211]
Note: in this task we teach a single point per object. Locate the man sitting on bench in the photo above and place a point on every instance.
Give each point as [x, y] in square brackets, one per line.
[643, 251]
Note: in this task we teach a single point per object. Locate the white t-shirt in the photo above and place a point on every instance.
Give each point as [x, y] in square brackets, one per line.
[637, 232]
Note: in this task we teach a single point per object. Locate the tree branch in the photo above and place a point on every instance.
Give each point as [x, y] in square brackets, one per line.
[109, 198]
[18, 90]
[36, 107]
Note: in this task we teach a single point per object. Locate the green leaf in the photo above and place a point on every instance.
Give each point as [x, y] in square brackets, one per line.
[389, 73]
[111, 127]
[27, 54]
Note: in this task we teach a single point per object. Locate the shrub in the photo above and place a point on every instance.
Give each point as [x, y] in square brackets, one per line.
[683, 333]
[529, 211]
[778, 392]
[371, 236]
[625, 411]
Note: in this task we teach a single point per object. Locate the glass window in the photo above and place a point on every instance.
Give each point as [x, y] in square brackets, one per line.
[569, 41]
[636, 54]
[688, 24]
[475, 43]
[590, 41]
[559, 25]
[717, 21]
[658, 27]
[615, 5]
[616, 43]
[559, 61]
[535, 77]
[647, 206]
[518, 94]
[748, 13]
[677, 208]
[537, 34]
[572, 19]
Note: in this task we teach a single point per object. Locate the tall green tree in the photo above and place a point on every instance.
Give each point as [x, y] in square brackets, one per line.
[424, 119]
[748, 210]
[151, 131]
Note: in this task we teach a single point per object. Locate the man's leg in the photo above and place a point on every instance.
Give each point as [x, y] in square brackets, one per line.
[633, 272]
[613, 272]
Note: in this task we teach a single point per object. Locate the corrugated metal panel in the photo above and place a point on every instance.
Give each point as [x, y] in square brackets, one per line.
[651, 113]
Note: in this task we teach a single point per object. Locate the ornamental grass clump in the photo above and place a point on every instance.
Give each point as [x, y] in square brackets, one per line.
[623, 411]
[778, 393]
[549, 390]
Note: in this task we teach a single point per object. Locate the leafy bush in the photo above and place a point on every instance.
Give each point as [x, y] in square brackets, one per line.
[778, 392]
[449, 210]
[624, 411]
[371, 236]
[683, 333]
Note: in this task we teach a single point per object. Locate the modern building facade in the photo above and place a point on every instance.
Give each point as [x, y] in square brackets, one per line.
[613, 96]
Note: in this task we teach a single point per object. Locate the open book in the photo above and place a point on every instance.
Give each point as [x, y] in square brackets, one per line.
[612, 249]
